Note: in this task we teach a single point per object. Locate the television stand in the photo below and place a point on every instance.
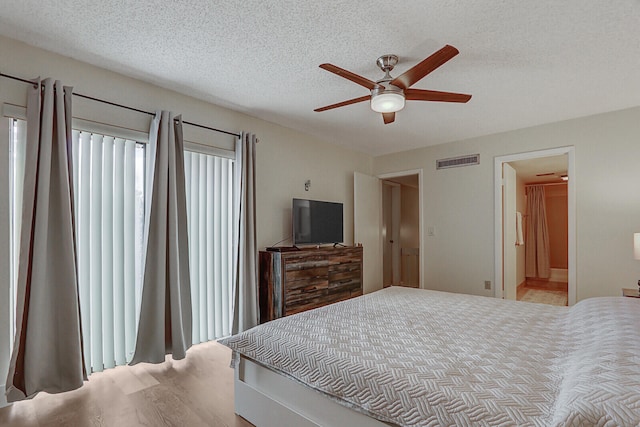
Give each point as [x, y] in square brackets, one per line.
[297, 280]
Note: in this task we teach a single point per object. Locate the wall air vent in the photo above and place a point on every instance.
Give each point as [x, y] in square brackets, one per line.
[454, 162]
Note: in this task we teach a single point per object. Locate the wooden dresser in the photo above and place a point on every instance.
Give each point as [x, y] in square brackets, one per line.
[295, 281]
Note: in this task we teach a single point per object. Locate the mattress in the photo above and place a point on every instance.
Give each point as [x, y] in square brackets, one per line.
[412, 357]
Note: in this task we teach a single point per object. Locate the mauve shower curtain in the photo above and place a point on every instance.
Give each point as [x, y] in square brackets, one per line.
[537, 252]
[47, 353]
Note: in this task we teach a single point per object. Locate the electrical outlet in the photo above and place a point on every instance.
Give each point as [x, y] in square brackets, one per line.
[487, 284]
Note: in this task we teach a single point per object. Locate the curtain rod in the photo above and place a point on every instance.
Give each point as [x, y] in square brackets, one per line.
[124, 106]
[547, 183]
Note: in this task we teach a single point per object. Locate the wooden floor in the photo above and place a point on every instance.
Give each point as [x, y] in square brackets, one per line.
[541, 285]
[196, 391]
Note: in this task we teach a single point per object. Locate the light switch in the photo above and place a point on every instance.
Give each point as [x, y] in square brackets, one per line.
[431, 231]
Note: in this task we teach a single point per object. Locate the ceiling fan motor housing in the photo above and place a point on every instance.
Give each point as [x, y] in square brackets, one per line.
[387, 62]
[386, 87]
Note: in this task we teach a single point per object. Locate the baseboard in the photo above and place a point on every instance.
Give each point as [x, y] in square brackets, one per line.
[524, 282]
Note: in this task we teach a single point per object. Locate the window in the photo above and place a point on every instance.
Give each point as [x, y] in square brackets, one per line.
[18, 136]
[109, 195]
[108, 177]
[209, 188]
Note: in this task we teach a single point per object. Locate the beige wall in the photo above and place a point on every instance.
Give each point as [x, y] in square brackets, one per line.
[285, 158]
[459, 202]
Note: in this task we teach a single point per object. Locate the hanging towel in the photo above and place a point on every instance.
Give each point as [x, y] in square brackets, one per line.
[519, 236]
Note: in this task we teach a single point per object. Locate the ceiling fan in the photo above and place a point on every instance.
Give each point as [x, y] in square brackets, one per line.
[388, 94]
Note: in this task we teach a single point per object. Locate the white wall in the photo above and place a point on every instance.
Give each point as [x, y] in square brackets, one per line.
[285, 158]
[459, 202]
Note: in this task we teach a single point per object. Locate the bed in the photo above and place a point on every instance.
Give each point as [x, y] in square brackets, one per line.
[412, 357]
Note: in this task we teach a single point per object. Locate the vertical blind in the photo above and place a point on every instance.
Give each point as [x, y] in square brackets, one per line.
[209, 188]
[109, 195]
[108, 176]
[17, 151]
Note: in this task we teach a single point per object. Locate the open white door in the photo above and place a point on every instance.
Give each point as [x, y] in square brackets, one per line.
[509, 231]
[367, 222]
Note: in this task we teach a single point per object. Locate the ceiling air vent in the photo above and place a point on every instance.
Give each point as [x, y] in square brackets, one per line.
[454, 162]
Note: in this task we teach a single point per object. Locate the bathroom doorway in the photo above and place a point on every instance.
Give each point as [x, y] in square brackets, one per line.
[542, 256]
[512, 173]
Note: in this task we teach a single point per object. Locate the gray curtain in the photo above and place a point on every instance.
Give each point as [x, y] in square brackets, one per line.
[47, 353]
[165, 313]
[537, 252]
[245, 285]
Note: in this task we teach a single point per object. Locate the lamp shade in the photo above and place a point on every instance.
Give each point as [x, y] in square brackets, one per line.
[636, 245]
[387, 102]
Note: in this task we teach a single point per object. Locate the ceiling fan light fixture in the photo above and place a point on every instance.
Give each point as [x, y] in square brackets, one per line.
[387, 102]
[388, 95]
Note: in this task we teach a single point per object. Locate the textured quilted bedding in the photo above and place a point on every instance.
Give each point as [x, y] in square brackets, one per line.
[414, 357]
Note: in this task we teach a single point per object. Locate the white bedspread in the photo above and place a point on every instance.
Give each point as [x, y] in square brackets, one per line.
[413, 357]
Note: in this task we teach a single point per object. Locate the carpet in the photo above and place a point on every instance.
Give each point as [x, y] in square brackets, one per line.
[545, 297]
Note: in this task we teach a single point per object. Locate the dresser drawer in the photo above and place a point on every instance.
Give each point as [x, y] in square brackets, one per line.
[345, 275]
[307, 274]
[347, 256]
[303, 263]
[299, 290]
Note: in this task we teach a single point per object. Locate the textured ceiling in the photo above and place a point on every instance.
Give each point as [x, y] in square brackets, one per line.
[524, 62]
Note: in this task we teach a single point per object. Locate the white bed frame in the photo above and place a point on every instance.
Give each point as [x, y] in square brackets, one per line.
[268, 399]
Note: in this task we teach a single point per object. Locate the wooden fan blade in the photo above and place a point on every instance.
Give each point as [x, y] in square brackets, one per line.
[350, 76]
[417, 72]
[434, 95]
[343, 103]
[388, 117]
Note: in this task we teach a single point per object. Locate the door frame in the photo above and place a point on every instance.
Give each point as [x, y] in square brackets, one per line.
[509, 235]
[571, 200]
[367, 227]
[418, 172]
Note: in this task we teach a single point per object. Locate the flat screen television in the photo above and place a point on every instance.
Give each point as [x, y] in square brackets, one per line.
[316, 222]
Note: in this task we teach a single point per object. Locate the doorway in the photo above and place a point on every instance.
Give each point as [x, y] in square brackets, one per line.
[368, 227]
[541, 215]
[512, 173]
[401, 231]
